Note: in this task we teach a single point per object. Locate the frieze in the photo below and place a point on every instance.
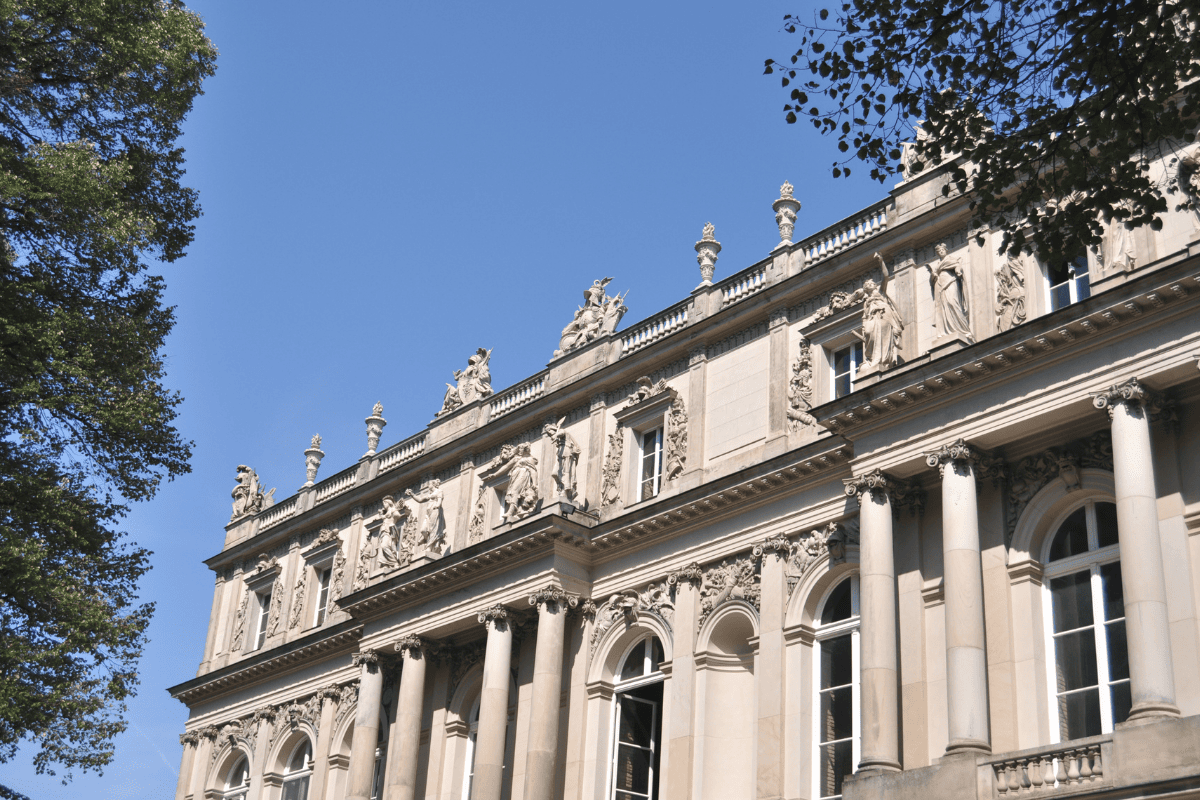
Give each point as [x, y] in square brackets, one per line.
[622, 395]
[738, 339]
[833, 539]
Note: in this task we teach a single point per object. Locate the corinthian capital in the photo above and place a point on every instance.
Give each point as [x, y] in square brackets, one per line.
[495, 615]
[873, 481]
[415, 645]
[1130, 392]
[553, 597]
[369, 658]
[960, 451]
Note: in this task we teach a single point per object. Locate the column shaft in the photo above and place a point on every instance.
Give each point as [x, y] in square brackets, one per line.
[366, 727]
[878, 654]
[541, 763]
[402, 775]
[966, 655]
[488, 782]
[1147, 626]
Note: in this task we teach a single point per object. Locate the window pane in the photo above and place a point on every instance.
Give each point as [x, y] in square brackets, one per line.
[1071, 596]
[1079, 714]
[837, 720]
[1075, 658]
[633, 769]
[634, 662]
[1083, 289]
[1071, 538]
[1118, 651]
[837, 605]
[656, 654]
[836, 668]
[835, 764]
[636, 723]
[1114, 591]
[1060, 296]
[1106, 524]
[841, 362]
[1121, 702]
[296, 789]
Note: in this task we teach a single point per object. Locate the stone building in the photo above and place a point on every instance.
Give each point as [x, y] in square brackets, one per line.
[882, 515]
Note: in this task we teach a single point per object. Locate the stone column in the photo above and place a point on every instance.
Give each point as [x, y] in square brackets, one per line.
[1151, 682]
[679, 728]
[190, 741]
[366, 725]
[402, 772]
[488, 782]
[540, 766]
[878, 656]
[208, 737]
[321, 747]
[966, 657]
[768, 667]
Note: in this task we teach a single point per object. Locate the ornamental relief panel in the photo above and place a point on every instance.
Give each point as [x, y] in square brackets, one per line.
[1031, 474]
[734, 578]
[656, 599]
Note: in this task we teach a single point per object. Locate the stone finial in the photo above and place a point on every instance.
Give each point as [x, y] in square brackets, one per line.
[785, 214]
[312, 459]
[375, 425]
[706, 254]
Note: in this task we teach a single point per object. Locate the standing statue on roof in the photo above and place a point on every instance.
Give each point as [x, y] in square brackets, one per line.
[598, 316]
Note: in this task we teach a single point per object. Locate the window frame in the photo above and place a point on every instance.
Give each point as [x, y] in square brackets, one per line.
[822, 633]
[1090, 560]
[1078, 285]
[648, 677]
[658, 442]
[262, 618]
[304, 772]
[240, 791]
[835, 349]
[324, 575]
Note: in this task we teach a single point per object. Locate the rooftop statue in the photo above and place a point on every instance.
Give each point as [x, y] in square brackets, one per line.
[474, 383]
[248, 496]
[882, 324]
[598, 316]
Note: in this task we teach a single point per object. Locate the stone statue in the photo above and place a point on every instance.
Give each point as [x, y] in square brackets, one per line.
[396, 517]
[1010, 292]
[676, 444]
[431, 526]
[248, 497]
[521, 497]
[598, 316]
[566, 457]
[610, 489]
[473, 383]
[882, 324]
[800, 390]
[1116, 248]
[949, 299]
[646, 389]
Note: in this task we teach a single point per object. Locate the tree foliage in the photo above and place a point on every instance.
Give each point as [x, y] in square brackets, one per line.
[92, 96]
[1052, 111]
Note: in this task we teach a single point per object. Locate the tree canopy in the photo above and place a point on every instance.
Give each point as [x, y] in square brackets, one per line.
[92, 97]
[1051, 111]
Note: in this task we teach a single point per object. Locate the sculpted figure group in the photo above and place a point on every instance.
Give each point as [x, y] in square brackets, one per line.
[248, 496]
[413, 526]
[598, 316]
[473, 383]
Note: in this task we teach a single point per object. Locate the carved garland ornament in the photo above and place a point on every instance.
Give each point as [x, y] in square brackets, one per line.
[298, 598]
[675, 457]
[1031, 474]
[730, 579]
[610, 488]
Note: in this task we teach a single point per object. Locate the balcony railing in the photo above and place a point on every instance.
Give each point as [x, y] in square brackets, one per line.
[868, 223]
[404, 451]
[338, 484]
[742, 285]
[1052, 770]
[277, 514]
[655, 328]
[517, 396]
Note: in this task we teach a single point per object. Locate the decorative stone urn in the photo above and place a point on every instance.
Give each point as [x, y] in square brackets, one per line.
[375, 425]
[706, 254]
[312, 460]
[785, 214]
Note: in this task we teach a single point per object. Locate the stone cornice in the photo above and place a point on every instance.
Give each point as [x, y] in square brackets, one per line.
[295, 654]
[921, 382]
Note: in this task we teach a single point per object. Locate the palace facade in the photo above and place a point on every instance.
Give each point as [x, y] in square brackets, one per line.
[882, 515]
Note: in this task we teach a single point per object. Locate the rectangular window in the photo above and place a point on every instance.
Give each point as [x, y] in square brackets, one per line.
[846, 362]
[1068, 283]
[650, 464]
[322, 595]
[835, 725]
[264, 612]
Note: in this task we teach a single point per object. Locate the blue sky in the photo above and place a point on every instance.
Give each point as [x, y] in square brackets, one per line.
[389, 186]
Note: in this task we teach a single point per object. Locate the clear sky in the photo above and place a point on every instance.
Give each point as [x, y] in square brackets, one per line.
[388, 186]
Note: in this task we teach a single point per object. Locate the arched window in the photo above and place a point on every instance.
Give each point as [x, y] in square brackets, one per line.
[381, 748]
[637, 723]
[237, 783]
[299, 772]
[1086, 623]
[837, 702]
